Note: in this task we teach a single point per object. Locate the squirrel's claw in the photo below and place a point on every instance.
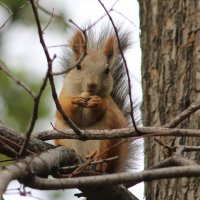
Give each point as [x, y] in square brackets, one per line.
[80, 101]
[94, 102]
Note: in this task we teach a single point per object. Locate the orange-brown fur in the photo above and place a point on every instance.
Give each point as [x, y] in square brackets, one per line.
[85, 98]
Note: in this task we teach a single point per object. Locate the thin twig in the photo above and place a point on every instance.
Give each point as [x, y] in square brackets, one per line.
[100, 18]
[52, 14]
[4, 69]
[125, 64]
[9, 12]
[186, 148]
[6, 7]
[37, 98]
[6, 21]
[84, 50]
[50, 77]
[63, 169]
[80, 170]
[105, 160]
[174, 161]
[59, 45]
[7, 147]
[124, 16]
[12, 144]
[183, 115]
[167, 147]
[7, 160]
[34, 115]
[24, 5]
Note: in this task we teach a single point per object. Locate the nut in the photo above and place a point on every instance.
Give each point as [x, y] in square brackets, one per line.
[85, 95]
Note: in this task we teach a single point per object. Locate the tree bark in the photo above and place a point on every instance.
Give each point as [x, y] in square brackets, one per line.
[170, 42]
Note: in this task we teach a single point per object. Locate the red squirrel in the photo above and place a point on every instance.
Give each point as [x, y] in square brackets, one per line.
[87, 95]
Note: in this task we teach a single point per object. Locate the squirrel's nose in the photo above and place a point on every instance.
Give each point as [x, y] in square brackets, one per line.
[92, 86]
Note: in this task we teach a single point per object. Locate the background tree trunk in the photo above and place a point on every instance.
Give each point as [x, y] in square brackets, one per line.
[170, 42]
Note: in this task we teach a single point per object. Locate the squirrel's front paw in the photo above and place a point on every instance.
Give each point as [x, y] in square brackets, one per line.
[79, 101]
[94, 102]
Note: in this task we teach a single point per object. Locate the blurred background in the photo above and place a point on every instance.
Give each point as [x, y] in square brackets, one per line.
[22, 53]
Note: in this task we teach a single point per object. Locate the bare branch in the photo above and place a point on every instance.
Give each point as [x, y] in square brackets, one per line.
[96, 192]
[84, 51]
[190, 148]
[9, 12]
[174, 161]
[8, 148]
[6, 21]
[23, 169]
[54, 16]
[120, 178]
[98, 20]
[34, 115]
[182, 116]
[55, 46]
[49, 74]
[6, 160]
[12, 146]
[124, 16]
[50, 77]
[46, 164]
[42, 165]
[69, 168]
[4, 69]
[117, 133]
[125, 64]
[15, 139]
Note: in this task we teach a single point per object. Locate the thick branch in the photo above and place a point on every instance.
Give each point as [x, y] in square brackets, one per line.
[118, 192]
[42, 165]
[118, 133]
[92, 192]
[15, 139]
[111, 179]
[12, 137]
[48, 162]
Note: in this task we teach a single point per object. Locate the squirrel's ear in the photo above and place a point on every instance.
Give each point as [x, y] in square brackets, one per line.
[109, 48]
[78, 44]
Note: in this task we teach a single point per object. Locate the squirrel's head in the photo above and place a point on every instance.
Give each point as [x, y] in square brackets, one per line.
[93, 72]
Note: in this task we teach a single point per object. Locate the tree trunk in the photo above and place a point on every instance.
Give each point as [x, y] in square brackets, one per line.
[170, 42]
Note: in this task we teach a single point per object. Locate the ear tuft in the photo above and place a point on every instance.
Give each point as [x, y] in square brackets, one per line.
[109, 48]
[78, 44]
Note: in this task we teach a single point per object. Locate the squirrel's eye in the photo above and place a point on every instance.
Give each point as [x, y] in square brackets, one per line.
[78, 67]
[107, 70]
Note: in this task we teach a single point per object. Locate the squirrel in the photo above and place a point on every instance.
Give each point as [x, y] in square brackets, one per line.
[94, 94]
